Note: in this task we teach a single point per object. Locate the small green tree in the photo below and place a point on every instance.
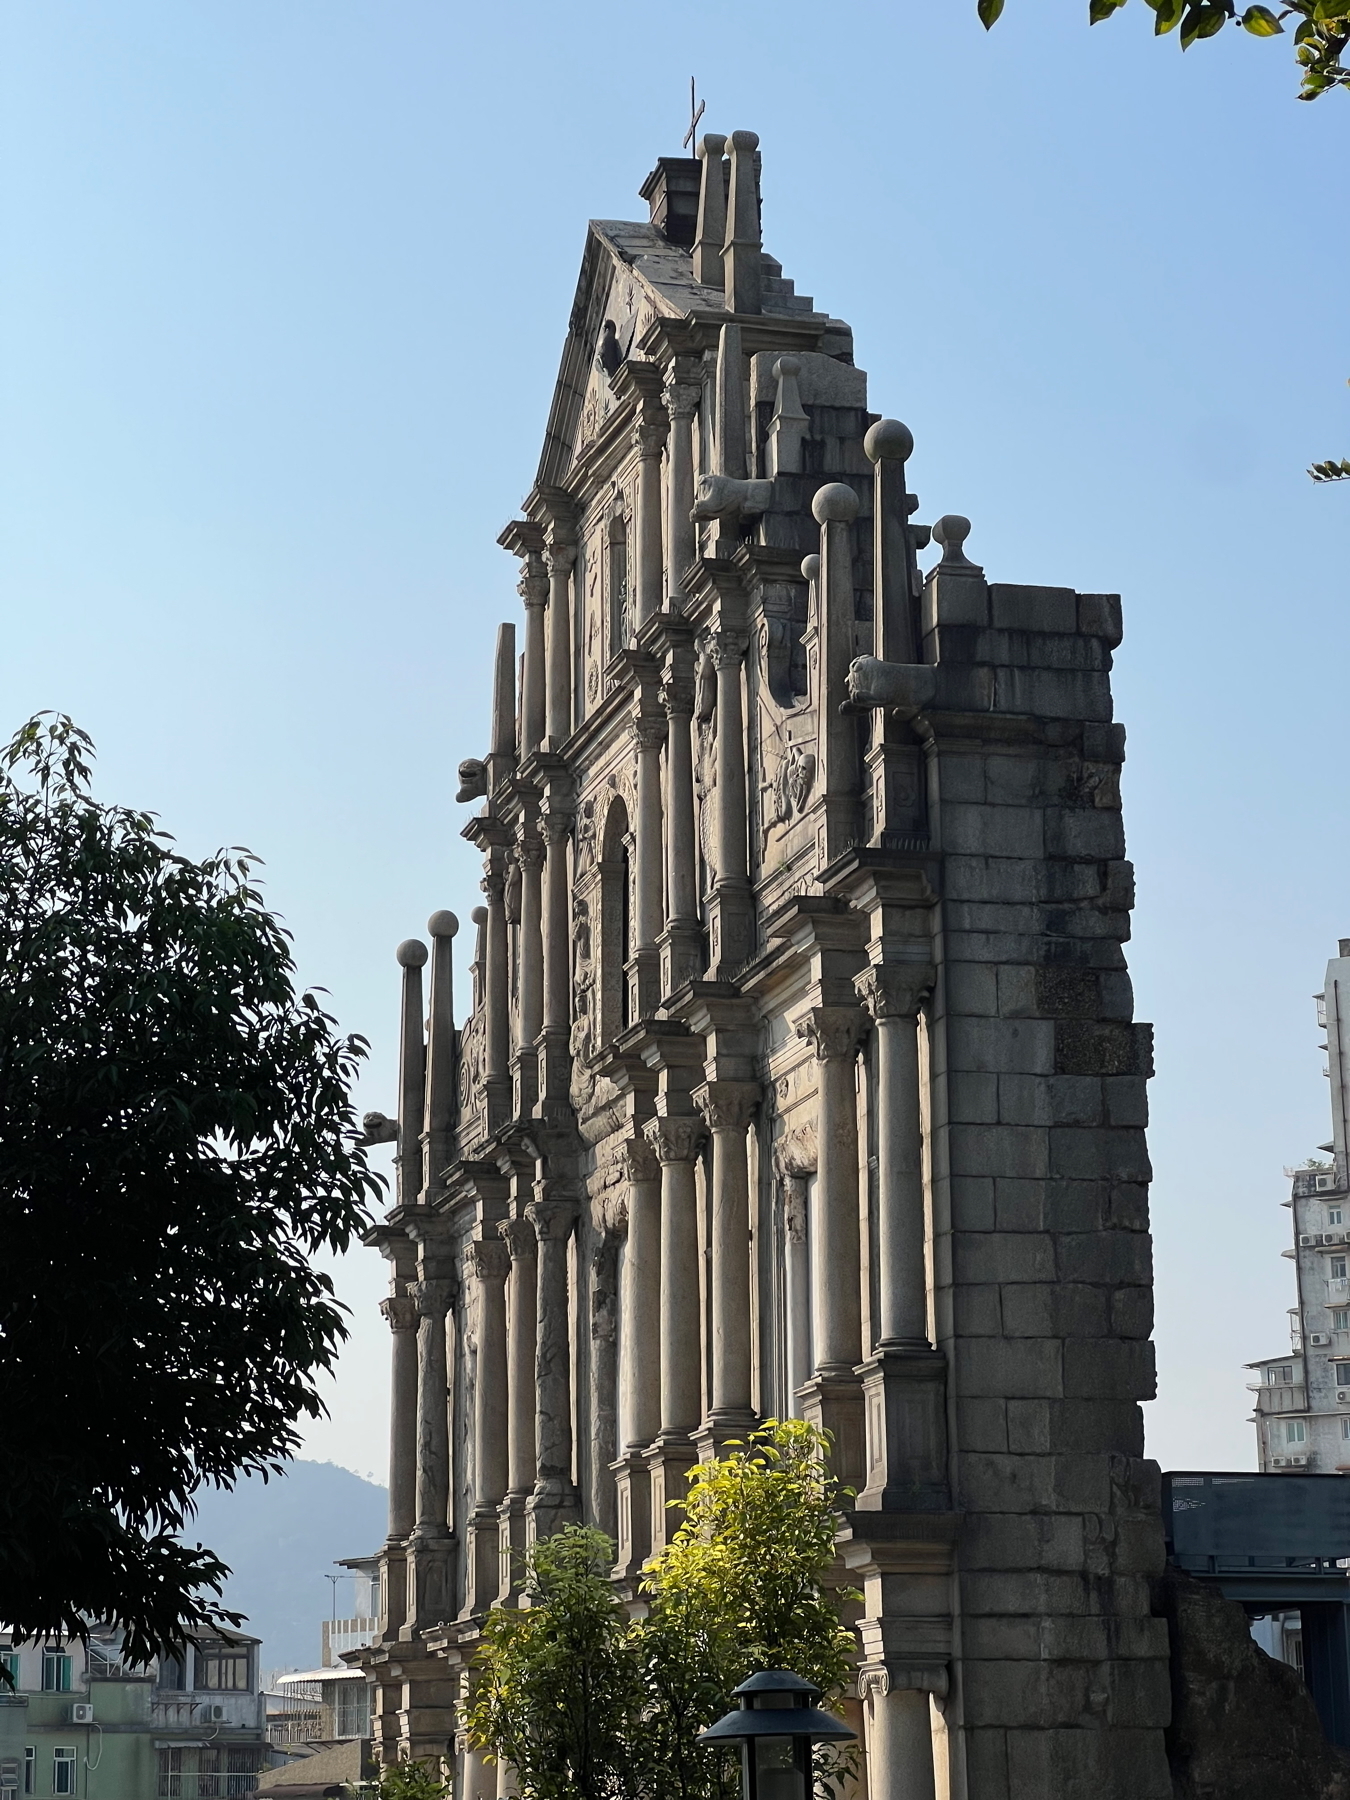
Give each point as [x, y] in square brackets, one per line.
[412, 1781]
[559, 1690]
[740, 1588]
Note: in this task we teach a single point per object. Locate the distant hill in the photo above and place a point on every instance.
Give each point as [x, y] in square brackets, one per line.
[280, 1538]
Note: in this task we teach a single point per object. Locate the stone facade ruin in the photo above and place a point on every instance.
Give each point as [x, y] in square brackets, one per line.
[799, 1074]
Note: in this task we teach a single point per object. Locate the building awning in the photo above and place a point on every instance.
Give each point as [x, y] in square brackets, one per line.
[342, 1674]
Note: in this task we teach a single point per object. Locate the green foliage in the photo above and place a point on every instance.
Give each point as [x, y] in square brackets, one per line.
[176, 1140]
[412, 1781]
[1320, 39]
[1331, 471]
[591, 1706]
[559, 1690]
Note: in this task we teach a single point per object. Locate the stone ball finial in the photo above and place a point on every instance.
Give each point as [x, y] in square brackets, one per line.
[889, 441]
[835, 503]
[443, 924]
[712, 143]
[787, 365]
[411, 953]
[479, 915]
[744, 140]
[811, 567]
[951, 531]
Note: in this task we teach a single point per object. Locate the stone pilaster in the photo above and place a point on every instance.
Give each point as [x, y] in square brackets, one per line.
[430, 1547]
[555, 1063]
[683, 395]
[442, 1083]
[553, 1502]
[640, 1364]
[497, 998]
[682, 939]
[644, 969]
[523, 1246]
[676, 1140]
[533, 589]
[525, 1070]
[730, 907]
[412, 1073]
[559, 558]
[728, 1108]
[490, 1262]
[832, 1398]
[835, 507]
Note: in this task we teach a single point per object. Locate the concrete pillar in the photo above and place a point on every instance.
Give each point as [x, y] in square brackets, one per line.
[640, 1355]
[560, 557]
[490, 1262]
[522, 1325]
[728, 1107]
[429, 1545]
[553, 1502]
[683, 396]
[649, 436]
[899, 1741]
[711, 230]
[730, 920]
[533, 588]
[742, 257]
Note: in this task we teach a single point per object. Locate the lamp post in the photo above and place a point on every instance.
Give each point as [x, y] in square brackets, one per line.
[775, 1725]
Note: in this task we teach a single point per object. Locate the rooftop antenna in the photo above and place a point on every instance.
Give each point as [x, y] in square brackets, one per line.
[696, 107]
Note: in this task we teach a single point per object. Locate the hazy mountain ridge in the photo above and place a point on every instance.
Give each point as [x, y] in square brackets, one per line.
[281, 1537]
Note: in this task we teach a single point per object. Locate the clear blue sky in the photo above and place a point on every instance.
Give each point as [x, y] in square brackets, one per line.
[282, 291]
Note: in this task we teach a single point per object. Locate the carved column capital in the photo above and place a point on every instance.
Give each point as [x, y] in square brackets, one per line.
[560, 556]
[727, 1105]
[675, 1140]
[682, 398]
[635, 1156]
[519, 1237]
[489, 1259]
[833, 1031]
[433, 1299]
[727, 648]
[401, 1312]
[677, 692]
[552, 1219]
[649, 730]
[649, 437]
[556, 825]
[493, 883]
[530, 848]
[533, 584]
[895, 990]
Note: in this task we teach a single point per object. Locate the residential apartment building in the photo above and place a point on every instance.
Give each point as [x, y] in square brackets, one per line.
[81, 1722]
[1302, 1414]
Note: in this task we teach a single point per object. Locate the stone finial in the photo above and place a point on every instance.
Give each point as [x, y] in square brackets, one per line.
[951, 531]
[742, 256]
[729, 405]
[889, 441]
[836, 502]
[712, 210]
[442, 925]
[411, 954]
[479, 916]
[504, 693]
[811, 567]
[789, 424]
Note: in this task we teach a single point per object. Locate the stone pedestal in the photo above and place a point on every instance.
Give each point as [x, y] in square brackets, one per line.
[483, 1568]
[904, 1397]
[512, 1540]
[834, 1403]
[632, 1481]
[668, 1464]
[429, 1580]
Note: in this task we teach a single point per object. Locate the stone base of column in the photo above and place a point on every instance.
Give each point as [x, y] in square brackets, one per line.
[681, 948]
[393, 1589]
[429, 1586]
[548, 1509]
[905, 1397]
[554, 1076]
[668, 1464]
[834, 1403]
[500, 1098]
[642, 972]
[428, 1704]
[731, 929]
[482, 1563]
[633, 1489]
[511, 1541]
[714, 1434]
[525, 1082]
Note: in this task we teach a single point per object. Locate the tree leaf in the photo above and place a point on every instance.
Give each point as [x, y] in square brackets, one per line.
[1261, 22]
[989, 12]
[1102, 9]
[1169, 14]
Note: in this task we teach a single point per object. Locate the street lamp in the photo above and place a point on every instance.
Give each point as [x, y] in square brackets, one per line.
[775, 1725]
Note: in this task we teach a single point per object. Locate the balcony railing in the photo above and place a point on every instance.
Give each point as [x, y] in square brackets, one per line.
[1281, 1399]
[191, 1711]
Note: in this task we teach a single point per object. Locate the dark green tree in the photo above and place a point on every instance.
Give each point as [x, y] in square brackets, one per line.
[176, 1140]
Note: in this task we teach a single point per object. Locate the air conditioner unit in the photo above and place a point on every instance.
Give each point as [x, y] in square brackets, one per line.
[1306, 1240]
[1343, 1394]
[1318, 1337]
[82, 1713]
[215, 1712]
[1277, 1462]
[1297, 1462]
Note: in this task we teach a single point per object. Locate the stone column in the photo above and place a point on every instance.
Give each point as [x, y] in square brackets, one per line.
[533, 589]
[401, 1312]
[649, 438]
[640, 1356]
[530, 852]
[797, 1280]
[899, 1739]
[490, 1262]
[497, 1000]
[412, 1073]
[555, 1064]
[553, 1503]
[522, 1325]
[839, 776]
[644, 974]
[442, 1086]
[682, 940]
[728, 1107]
[742, 258]
[429, 1545]
[561, 555]
[833, 1397]
[712, 210]
[731, 925]
[683, 396]
[904, 1379]
[676, 1142]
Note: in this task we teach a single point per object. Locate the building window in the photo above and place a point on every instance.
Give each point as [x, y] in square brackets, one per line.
[1340, 1374]
[9, 1661]
[223, 1670]
[1280, 1377]
[29, 1767]
[1340, 1320]
[1338, 1268]
[1335, 1215]
[1294, 1431]
[63, 1771]
[55, 1672]
[170, 1773]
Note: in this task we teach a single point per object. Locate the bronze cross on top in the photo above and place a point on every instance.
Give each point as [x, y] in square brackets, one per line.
[696, 107]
